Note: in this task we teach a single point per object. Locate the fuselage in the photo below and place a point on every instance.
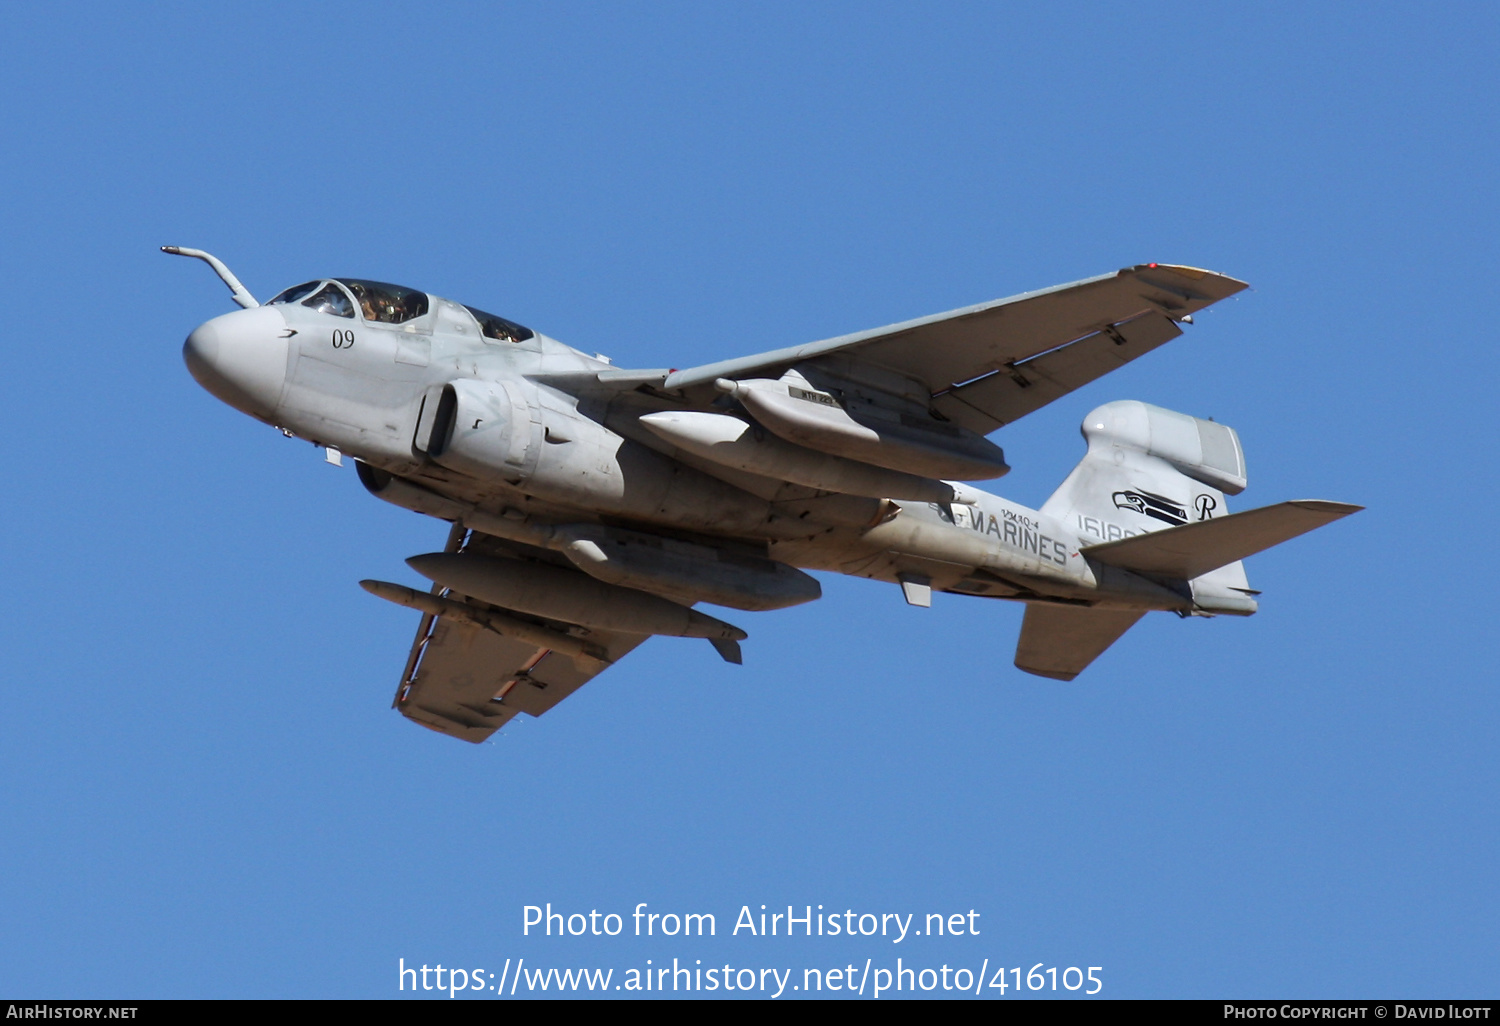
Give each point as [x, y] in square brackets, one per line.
[538, 433]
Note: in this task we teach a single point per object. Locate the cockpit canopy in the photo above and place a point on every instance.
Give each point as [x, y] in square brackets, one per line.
[387, 304]
[498, 328]
[379, 302]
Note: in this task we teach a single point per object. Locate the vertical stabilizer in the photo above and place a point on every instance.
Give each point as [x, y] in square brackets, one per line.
[1148, 469]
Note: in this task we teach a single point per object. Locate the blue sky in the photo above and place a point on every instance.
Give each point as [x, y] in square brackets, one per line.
[207, 794]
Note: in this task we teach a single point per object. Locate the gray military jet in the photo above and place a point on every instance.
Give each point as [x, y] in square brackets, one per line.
[594, 506]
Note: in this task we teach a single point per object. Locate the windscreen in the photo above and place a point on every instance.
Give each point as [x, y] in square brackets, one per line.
[331, 300]
[295, 293]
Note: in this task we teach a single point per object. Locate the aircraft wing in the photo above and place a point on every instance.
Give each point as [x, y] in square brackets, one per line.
[990, 364]
[467, 681]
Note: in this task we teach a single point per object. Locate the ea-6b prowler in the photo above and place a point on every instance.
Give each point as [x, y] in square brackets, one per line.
[593, 507]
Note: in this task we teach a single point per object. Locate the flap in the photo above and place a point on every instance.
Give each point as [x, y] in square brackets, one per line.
[1016, 390]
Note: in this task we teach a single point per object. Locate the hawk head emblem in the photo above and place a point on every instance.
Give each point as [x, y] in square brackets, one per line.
[1149, 504]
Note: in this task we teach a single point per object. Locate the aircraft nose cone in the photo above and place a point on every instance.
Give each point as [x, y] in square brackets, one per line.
[240, 358]
[201, 352]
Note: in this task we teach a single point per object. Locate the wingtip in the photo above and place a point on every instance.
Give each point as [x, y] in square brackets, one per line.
[1215, 284]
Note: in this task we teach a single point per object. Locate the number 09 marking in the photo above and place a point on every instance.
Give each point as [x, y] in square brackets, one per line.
[343, 338]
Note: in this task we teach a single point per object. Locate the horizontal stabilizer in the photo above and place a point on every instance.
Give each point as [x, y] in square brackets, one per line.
[1193, 549]
[1059, 641]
